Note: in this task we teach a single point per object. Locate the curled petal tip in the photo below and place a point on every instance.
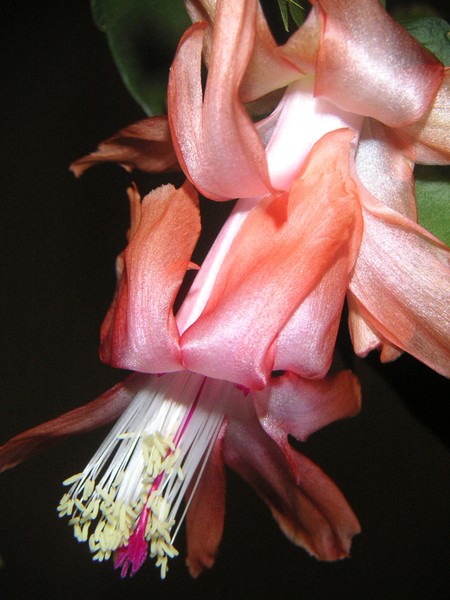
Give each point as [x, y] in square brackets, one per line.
[144, 145]
[106, 408]
[215, 139]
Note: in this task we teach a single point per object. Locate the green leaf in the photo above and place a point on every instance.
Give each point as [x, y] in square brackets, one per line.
[143, 36]
[433, 200]
[284, 13]
[433, 183]
[433, 33]
[296, 11]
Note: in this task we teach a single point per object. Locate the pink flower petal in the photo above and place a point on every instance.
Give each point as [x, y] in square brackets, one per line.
[278, 256]
[385, 169]
[203, 11]
[206, 514]
[430, 136]
[305, 345]
[401, 284]
[298, 122]
[145, 145]
[203, 284]
[370, 65]
[299, 407]
[106, 408]
[364, 337]
[311, 511]
[139, 331]
[215, 140]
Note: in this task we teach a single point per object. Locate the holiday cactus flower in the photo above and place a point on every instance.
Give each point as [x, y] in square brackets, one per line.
[326, 210]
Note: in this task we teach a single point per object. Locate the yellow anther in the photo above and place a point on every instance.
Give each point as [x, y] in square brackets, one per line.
[73, 479]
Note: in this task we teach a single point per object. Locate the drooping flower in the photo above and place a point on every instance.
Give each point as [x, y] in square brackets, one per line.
[269, 295]
[176, 430]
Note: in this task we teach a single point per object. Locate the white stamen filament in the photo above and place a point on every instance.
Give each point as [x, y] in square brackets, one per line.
[135, 482]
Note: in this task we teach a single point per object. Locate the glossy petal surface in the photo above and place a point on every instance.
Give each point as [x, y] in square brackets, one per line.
[385, 170]
[267, 69]
[401, 285]
[305, 345]
[299, 407]
[303, 45]
[429, 137]
[277, 258]
[364, 337]
[370, 65]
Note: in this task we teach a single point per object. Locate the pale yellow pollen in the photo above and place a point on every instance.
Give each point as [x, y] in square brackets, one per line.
[114, 518]
[119, 478]
[73, 479]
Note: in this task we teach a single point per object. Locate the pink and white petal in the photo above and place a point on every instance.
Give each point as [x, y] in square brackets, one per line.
[279, 255]
[305, 345]
[215, 140]
[385, 169]
[401, 284]
[206, 513]
[139, 331]
[364, 338]
[290, 405]
[298, 122]
[429, 137]
[106, 408]
[203, 284]
[370, 65]
[311, 511]
[185, 99]
[145, 145]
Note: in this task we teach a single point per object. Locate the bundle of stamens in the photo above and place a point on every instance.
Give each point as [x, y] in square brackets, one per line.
[126, 499]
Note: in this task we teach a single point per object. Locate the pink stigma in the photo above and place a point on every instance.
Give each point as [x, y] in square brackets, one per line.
[133, 555]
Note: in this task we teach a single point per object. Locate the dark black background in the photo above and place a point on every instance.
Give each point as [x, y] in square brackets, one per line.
[61, 94]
